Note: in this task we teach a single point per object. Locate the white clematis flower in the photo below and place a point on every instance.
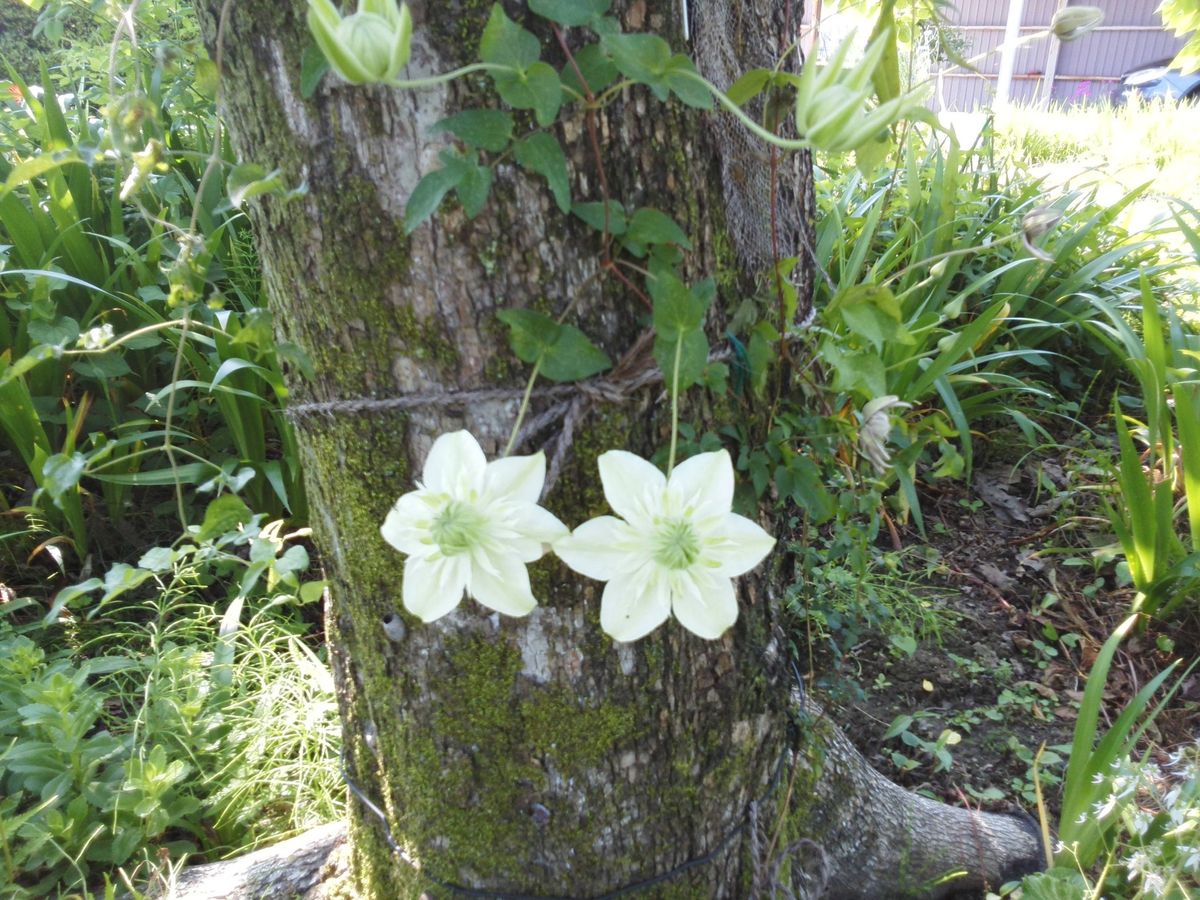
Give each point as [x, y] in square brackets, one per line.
[675, 548]
[471, 526]
[876, 428]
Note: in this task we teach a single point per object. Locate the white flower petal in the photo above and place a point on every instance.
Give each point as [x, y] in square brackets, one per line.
[600, 548]
[434, 587]
[533, 528]
[407, 524]
[503, 586]
[635, 604]
[455, 465]
[704, 483]
[515, 478]
[735, 546]
[632, 486]
[705, 604]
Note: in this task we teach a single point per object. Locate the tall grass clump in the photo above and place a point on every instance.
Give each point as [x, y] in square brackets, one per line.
[933, 293]
[137, 351]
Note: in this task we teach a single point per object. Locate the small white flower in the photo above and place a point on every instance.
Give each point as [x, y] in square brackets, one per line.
[471, 526]
[1154, 884]
[876, 427]
[97, 338]
[675, 548]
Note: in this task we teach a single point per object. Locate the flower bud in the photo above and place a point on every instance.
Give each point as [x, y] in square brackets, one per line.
[1073, 22]
[832, 107]
[371, 46]
[1034, 224]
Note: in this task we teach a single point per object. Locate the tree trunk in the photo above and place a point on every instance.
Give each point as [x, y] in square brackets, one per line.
[535, 756]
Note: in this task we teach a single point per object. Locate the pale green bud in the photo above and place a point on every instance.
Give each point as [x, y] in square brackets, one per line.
[833, 111]
[369, 38]
[1073, 22]
[373, 45]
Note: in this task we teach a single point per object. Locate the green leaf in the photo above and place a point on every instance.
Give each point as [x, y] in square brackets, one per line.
[294, 560]
[102, 367]
[871, 153]
[595, 66]
[249, 180]
[313, 66]
[531, 333]
[312, 591]
[484, 129]
[593, 213]
[565, 352]
[807, 489]
[506, 43]
[67, 594]
[427, 195]
[34, 167]
[716, 377]
[650, 226]
[871, 311]
[536, 88]
[679, 78]
[641, 57]
[541, 153]
[860, 371]
[474, 187]
[692, 359]
[60, 332]
[573, 356]
[570, 12]
[759, 355]
[677, 311]
[749, 86]
[886, 76]
[191, 473]
[223, 515]
[157, 559]
[23, 364]
[61, 473]
[121, 578]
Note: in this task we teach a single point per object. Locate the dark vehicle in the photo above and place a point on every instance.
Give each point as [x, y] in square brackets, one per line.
[1159, 80]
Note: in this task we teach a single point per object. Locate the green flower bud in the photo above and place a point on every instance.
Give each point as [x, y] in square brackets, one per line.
[371, 46]
[1073, 22]
[833, 110]
[369, 38]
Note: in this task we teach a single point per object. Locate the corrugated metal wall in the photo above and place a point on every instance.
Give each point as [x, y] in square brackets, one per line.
[1086, 70]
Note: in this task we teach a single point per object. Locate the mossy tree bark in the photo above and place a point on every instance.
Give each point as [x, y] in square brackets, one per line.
[531, 756]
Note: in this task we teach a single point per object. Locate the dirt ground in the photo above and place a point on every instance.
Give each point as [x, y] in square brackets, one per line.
[1027, 606]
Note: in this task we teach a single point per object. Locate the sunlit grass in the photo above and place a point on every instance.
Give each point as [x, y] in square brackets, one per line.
[1129, 145]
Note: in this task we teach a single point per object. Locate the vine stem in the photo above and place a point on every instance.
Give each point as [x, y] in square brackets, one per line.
[516, 429]
[435, 80]
[675, 405]
[754, 127]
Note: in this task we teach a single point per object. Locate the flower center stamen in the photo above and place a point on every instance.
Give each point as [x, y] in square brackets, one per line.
[457, 528]
[676, 545]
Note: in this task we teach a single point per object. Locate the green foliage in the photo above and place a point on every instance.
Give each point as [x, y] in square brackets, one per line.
[18, 44]
[1183, 17]
[1151, 811]
[146, 726]
[1089, 773]
[95, 301]
[1162, 355]
[562, 352]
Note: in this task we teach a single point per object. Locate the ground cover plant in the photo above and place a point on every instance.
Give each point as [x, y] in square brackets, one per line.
[982, 457]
